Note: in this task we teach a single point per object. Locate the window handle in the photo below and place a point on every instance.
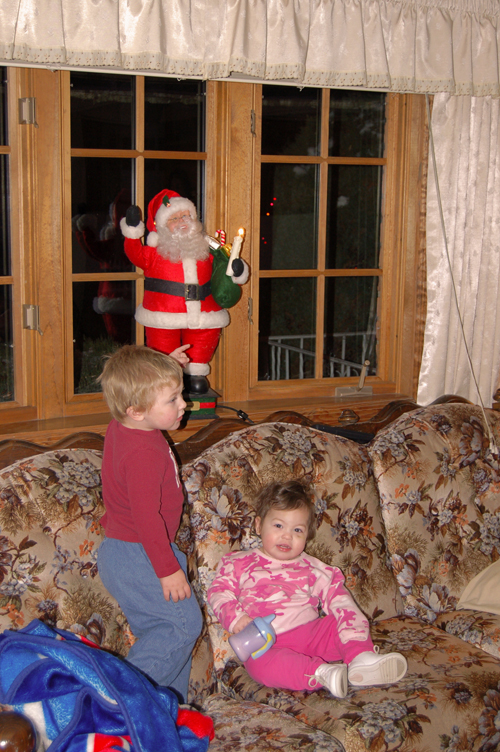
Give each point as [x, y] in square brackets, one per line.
[31, 317]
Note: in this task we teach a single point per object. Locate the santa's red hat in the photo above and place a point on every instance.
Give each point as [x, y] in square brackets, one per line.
[161, 208]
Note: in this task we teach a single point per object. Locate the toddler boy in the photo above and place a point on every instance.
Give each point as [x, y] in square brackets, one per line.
[138, 561]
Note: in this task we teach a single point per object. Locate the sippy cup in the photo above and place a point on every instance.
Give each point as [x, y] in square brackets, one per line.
[255, 639]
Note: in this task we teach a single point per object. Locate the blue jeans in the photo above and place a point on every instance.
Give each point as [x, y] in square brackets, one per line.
[165, 631]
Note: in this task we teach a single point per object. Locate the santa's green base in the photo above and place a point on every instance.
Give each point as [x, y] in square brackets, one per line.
[200, 406]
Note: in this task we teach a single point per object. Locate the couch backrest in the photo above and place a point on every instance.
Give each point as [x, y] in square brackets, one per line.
[224, 481]
[439, 485]
[50, 507]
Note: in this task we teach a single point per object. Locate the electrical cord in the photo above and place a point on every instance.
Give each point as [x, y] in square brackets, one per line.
[240, 413]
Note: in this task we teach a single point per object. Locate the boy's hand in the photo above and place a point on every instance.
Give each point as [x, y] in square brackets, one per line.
[241, 623]
[175, 586]
[180, 356]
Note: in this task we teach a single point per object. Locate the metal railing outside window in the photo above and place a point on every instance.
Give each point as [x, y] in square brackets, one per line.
[282, 347]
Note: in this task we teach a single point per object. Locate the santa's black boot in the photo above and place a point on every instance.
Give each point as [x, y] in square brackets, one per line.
[196, 384]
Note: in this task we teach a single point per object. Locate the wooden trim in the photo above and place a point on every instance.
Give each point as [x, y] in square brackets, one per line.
[188, 449]
[13, 450]
[47, 247]
[390, 250]
[285, 159]
[409, 350]
[140, 98]
[135, 153]
[276, 273]
[67, 234]
[321, 247]
[97, 276]
[215, 209]
[402, 214]
[21, 229]
[237, 102]
[254, 289]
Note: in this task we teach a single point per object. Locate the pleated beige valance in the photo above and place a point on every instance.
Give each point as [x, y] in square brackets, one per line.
[412, 45]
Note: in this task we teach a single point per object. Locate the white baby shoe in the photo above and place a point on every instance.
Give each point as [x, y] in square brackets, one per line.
[369, 669]
[333, 676]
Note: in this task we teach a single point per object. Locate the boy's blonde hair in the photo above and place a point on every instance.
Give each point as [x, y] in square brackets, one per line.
[291, 494]
[133, 376]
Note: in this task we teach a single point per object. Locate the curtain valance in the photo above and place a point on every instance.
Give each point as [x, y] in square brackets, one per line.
[411, 45]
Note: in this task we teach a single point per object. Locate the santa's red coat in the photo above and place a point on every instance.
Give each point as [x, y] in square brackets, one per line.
[164, 311]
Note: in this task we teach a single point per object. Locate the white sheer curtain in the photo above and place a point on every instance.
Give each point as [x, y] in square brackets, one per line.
[400, 45]
[467, 144]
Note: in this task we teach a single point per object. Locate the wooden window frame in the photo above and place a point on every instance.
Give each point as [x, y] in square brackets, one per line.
[41, 241]
[402, 231]
[76, 404]
[21, 200]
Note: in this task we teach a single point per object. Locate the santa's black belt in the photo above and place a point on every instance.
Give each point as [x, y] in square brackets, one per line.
[179, 289]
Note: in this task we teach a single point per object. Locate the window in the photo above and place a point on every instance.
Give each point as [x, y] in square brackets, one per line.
[321, 185]
[327, 184]
[130, 138]
[338, 223]
[15, 286]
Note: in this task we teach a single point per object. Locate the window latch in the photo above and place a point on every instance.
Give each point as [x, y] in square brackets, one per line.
[356, 391]
[27, 111]
[31, 317]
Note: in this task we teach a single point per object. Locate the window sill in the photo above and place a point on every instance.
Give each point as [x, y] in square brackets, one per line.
[318, 410]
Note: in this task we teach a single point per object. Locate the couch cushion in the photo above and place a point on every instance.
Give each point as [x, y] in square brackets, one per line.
[439, 485]
[50, 507]
[224, 481]
[240, 724]
[449, 699]
[478, 628]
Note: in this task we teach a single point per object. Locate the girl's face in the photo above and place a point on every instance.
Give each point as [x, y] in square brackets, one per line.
[283, 532]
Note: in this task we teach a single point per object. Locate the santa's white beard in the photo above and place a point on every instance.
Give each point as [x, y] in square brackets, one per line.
[190, 243]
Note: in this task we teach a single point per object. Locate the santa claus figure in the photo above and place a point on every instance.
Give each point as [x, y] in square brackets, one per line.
[186, 288]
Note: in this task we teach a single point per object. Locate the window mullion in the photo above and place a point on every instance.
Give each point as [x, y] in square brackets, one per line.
[138, 188]
[322, 209]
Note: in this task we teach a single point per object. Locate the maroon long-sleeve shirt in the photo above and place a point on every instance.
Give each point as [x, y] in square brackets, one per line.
[142, 493]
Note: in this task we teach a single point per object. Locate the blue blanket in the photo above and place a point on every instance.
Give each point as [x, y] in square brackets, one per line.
[72, 691]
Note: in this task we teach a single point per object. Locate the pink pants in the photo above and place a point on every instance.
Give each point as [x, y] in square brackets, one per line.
[296, 654]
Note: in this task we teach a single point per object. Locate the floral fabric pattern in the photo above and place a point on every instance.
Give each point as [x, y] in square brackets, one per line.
[439, 485]
[410, 519]
[223, 484]
[50, 507]
[248, 725]
[433, 527]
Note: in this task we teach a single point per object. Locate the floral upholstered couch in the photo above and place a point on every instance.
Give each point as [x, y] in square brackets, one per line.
[50, 507]
[411, 518]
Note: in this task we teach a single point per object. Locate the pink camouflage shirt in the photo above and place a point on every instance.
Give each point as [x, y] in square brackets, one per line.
[253, 583]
